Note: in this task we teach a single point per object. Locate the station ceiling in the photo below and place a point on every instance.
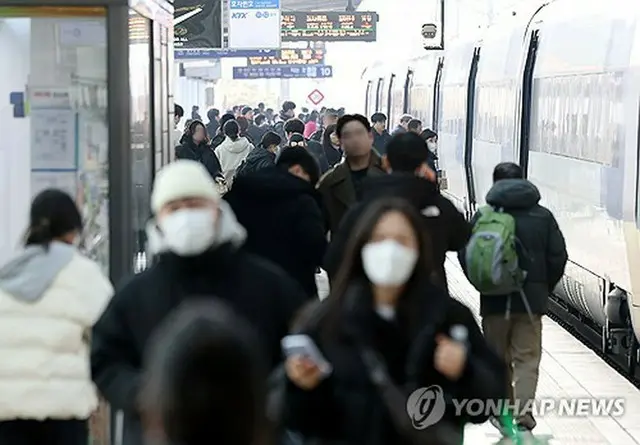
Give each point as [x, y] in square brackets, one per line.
[317, 5]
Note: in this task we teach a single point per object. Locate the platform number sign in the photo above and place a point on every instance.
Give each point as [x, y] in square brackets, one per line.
[316, 97]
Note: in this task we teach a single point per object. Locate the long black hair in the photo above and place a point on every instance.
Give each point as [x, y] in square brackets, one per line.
[53, 215]
[351, 272]
[193, 127]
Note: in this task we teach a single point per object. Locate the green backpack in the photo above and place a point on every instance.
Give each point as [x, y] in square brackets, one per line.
[491, 257]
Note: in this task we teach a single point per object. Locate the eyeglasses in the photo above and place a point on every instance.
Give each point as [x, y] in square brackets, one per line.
[297, 144]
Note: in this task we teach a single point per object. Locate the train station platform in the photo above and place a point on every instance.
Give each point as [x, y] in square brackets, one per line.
[569, 371]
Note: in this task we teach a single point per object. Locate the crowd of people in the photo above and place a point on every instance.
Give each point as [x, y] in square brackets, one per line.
[224, 338]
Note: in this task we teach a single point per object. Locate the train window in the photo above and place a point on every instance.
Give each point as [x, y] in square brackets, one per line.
[579, 117]
[494, 111]
[454, 109]
[397, 98]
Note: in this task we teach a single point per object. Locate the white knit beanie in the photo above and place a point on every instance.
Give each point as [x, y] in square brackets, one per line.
[182, 179]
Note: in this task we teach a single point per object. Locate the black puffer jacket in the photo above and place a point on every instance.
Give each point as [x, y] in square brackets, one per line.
[257, 159]
[201, 153]
[284, 222]
[447, 227]
[538, 231]
[255, 288]
[347, 408]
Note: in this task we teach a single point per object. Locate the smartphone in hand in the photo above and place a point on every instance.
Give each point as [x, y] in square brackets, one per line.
[304, 346]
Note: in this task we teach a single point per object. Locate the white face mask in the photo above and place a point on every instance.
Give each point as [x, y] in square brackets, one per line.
[189, 232]
[432, 145]
[388, 263]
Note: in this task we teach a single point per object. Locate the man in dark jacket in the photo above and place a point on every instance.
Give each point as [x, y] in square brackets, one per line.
[258, 127]
[280, 209]
[296, 126]
[413, 180]
[197, 238]
[288, 112]
[381, 136]
[403, 125]
[342, 186]
[262, 156]
[514, 332]
[213, 125]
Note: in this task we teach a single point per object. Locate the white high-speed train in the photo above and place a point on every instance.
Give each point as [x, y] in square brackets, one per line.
[557, 91]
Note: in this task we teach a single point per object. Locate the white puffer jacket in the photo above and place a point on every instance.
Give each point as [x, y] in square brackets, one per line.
[49, 300]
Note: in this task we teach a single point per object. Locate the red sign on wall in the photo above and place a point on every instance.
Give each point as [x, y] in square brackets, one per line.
[316, 97]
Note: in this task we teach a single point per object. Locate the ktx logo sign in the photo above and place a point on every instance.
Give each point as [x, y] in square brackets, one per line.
[239, 15]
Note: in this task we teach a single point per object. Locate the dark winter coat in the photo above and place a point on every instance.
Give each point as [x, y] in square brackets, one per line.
[338, 192]
[545, 253]
[217, 139]
[258, 290]
[448, 230]
[201, 153]
[212, 128]
[255, 133]
[334, 155]
[283, 219]
[316, 149]
[347, 407]
[257, 159]
[380, 141]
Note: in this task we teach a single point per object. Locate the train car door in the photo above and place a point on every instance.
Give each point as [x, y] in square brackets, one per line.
[367, 101]
[390, 106]
[379, 97]
[468, 137]
[526, 103]
[406, 106]
[435, 121]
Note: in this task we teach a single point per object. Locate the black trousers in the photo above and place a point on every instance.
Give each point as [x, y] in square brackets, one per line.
[47, 432]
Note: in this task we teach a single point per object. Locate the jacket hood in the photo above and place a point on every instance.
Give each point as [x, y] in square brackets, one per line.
[28, 276]
[419, 191]
[513, 194]
[272, 183]
[238, 146]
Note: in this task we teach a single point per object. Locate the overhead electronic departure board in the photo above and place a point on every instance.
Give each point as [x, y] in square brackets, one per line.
[329, 26]
[309, 56]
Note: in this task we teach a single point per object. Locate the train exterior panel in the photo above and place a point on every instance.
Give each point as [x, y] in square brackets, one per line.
[497, 85]
[452, 127]
[558, 91]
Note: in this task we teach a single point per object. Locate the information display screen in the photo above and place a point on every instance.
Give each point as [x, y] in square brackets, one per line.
[309, 56]
[283, 72]
[197, 24]
[329, 26]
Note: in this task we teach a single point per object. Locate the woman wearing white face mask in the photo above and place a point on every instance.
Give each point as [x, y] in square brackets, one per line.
[383, 300]
[196, 238]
